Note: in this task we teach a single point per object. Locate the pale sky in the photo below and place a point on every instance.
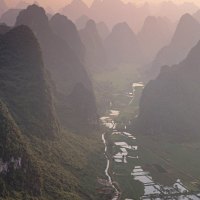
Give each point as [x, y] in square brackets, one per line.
[60, 3]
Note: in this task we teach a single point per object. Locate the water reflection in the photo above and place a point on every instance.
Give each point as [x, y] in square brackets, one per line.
[152, 190]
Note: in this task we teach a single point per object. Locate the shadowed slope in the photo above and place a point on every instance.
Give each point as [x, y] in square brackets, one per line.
[66, 69]
[122, 45]
[186, 36]
[23, 85]
[66, 30]
[170, 104]
[155, 33]
[95, 53]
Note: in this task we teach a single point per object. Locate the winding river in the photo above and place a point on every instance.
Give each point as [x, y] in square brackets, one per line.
[152, 190]
[117, 192]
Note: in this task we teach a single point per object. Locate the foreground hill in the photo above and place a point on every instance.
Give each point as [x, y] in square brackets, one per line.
[17, 170]
[39, 160]
[170, 103]
[23, 86]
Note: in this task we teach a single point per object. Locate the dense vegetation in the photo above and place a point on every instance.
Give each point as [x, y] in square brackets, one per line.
[57, 78]
[23, 83]
[39, 159]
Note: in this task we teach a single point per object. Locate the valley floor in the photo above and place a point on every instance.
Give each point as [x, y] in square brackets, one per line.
[146, 166]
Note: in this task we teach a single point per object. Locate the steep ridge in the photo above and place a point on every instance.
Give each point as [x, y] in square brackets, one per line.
[95, 52]
[38, 159]
[66, 30]
[9, 17]
[122, 45]
[66, 69]
[75, 9]
[186, 36]
[81, 22]
[170, 103]
[103, 30]
[17, 171]
[23, 86]
[59, 59]
[155, 34]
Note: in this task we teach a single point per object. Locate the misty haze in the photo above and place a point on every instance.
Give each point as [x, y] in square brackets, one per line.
[100, 100]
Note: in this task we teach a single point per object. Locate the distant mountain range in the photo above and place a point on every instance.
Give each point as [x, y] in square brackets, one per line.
[122, 45]
[103, 11]
[134, 15]
[186, 36]
[155, 34]
[95, 52]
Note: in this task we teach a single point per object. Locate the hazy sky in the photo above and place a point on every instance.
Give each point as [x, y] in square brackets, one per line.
[59, 3]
